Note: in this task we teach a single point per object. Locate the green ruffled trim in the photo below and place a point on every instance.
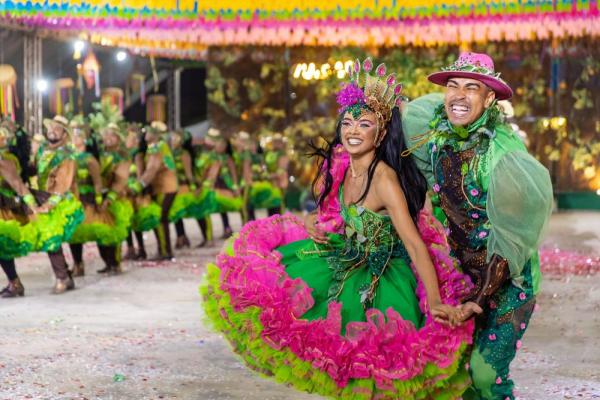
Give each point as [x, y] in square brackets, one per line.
[226, 203]
[203, 205]
[181, 205]
[58, 225]
[243, 330]
[265, 195]
[146, 218]
[104, 234]
[16, 240]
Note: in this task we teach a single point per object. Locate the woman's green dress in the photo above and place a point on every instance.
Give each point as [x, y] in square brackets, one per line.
[367, 267]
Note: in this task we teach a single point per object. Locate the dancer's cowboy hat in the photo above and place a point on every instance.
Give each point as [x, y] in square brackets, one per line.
[57, 120]
[158, 127]
[214, 134]
[474, 66]
[243, 136]
[114, 129]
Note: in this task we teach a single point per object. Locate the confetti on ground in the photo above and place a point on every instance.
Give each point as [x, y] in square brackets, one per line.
[557, 261]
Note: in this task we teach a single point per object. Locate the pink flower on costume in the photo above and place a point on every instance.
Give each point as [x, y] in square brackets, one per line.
[474, 192]
[522, 296]
[498, 381]
[492, 336]
[523, 326]
[482, 234]
[519, 344]
[436, 188]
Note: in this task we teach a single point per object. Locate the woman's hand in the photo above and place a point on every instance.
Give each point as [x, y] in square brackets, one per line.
[314, 231]
[446, 314]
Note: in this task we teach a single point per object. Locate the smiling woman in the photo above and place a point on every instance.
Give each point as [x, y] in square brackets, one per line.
[358, 314]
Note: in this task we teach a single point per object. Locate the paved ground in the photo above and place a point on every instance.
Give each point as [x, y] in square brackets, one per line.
[141, 336]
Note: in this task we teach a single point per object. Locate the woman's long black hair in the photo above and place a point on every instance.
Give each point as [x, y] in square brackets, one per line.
[186, 145]
[389, 151]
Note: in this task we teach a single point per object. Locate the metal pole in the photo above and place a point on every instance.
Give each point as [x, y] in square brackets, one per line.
[37, 59]
[28, 89]
[178, 98]
[171, 99]
[174, 98]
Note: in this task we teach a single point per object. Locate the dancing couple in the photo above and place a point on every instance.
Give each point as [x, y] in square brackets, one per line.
[371, 297]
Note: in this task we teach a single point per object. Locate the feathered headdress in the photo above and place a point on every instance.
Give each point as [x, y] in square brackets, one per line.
[379, 93]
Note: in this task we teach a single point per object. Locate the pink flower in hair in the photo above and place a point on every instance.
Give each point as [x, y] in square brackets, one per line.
[349, 95]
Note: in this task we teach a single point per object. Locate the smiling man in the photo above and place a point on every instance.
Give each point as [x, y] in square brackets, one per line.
[497, 200]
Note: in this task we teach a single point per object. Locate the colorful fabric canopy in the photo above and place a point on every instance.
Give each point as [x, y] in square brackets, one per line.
[191, 25]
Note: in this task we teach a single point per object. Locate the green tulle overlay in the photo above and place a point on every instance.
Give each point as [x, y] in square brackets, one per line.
[146, 218]
[243, 330]
[107, 234]
[16, 240]
[58, 225]
[228, 203]
[264, 195]
[181, 206]
[204, 205]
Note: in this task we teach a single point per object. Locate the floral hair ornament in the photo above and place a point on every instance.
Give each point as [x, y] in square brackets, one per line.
[378, 92]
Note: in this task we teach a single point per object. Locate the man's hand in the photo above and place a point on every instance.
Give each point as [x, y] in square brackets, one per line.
[468, 309]
[314, 231]
[446, 314]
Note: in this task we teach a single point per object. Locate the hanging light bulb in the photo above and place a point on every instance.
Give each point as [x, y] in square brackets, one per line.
[78, 47]
[41, 85]
[121, 56]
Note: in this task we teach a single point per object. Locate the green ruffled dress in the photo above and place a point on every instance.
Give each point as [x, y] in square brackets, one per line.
[18, 234]
[343, 270]
[58, 225]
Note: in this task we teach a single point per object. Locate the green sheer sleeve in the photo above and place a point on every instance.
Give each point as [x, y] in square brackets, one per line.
[416, 116]
[519, 202]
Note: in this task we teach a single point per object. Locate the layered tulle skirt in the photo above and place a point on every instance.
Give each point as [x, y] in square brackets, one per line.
[190, 204]
[22, 232]
[265, 313]
[264, 194]
[146, 214]
[107, 227]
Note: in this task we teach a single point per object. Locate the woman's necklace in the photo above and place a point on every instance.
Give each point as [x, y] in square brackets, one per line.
[353, 171]
[353, 193]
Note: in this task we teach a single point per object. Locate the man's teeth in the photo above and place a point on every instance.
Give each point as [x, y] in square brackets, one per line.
[354, 142]
[460, 110]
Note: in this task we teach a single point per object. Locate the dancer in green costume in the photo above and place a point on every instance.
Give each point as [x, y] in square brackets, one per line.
[114, 171]
[497, 200]
[184, 205]
[146, 216]
[277, 164]
[17, 208]
[221, 176]
[60, 212]
[160, 179]
[258, 190]
[89, 192]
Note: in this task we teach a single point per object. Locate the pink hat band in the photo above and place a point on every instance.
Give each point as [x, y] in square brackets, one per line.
[475, 66]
